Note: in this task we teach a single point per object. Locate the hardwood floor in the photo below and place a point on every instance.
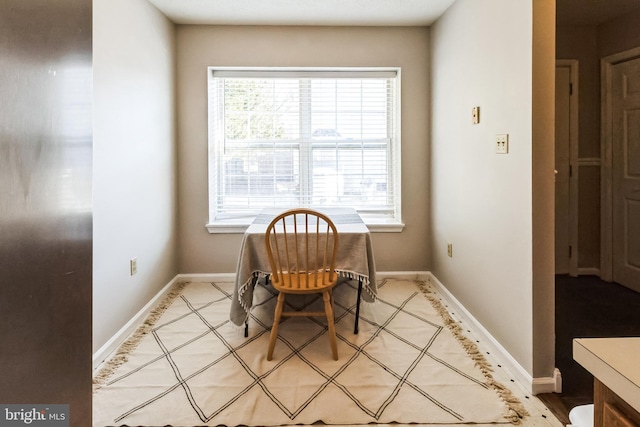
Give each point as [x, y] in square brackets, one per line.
[560, 404]
[587, 307]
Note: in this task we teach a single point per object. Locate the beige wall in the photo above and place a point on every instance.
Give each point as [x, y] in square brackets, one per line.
[581, 43]
[134, 160]
[619, 34]
[543, 187]
[203, 46]
[482, 201]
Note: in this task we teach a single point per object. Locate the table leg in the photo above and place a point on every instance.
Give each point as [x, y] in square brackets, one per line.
[355, 328]
[254, 282]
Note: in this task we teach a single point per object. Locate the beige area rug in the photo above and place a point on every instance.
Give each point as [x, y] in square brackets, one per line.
[187, 366]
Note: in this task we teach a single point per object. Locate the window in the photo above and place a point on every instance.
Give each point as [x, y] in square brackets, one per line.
[302, 137]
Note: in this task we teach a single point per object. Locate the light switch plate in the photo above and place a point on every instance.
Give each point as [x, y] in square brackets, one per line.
[502, 143]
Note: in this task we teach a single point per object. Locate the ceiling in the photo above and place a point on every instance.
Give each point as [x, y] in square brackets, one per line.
[304, 12]
[359, 12]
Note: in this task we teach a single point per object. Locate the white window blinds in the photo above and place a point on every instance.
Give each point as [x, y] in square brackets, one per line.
[290, 138]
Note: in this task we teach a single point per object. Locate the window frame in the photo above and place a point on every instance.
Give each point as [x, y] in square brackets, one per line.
[375, 223]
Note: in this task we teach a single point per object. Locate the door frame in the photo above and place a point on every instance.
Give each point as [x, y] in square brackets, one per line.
[606, 171]
[572, 64]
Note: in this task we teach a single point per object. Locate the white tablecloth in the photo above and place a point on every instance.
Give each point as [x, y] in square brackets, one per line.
[354, 260]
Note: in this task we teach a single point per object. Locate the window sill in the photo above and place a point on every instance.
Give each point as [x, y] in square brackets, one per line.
[240, 226]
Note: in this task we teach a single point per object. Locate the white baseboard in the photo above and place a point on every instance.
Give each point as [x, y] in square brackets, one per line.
[532, 385]
[208, 277]
[589, 271]
[404, 275]
[380, 275]
[548, 384]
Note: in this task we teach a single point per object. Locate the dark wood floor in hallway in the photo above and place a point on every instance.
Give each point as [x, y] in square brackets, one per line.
[587, 307]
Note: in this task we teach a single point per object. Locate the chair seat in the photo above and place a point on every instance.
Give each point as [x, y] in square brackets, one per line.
[304, 283]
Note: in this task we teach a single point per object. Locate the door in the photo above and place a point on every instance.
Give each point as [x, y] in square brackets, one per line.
[625, 162]
[565, 151]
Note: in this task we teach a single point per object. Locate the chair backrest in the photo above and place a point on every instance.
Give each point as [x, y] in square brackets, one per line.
[302, 242]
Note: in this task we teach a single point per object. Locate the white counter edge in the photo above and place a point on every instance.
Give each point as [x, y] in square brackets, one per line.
[606, 374]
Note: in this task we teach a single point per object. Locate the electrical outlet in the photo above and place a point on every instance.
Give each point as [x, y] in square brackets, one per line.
[450, 250]
[133, 265]
[502, 143]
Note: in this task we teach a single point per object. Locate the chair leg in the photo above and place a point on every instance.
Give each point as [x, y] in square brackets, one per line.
[274, 328]
[326, 296]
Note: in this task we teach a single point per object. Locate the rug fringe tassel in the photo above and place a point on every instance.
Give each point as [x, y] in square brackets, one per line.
[121, 355]
[516, 410]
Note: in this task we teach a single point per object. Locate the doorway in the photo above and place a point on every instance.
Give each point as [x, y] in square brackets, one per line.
[621, 169]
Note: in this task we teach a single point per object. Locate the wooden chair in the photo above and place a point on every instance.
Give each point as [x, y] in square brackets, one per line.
[302, 246]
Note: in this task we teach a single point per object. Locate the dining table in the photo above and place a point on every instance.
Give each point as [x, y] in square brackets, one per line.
[354, 260]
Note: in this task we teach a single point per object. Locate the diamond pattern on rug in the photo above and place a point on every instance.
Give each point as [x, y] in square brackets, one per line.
[193, 368]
